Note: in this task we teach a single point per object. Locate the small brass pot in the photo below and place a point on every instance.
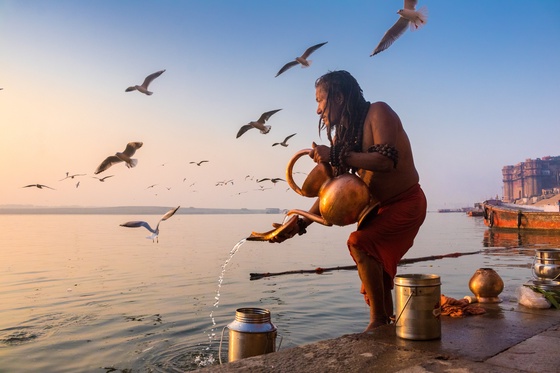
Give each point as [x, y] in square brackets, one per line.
[486, 285]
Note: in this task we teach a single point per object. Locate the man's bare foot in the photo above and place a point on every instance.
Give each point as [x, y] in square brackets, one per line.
[374, 325]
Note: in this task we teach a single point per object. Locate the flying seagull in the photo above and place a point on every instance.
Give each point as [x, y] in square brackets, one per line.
[198, 163]
[259, 124]
[409, 17]
[125, 156]
[40, 186]
[155, 232]
[225, 182]
[302, 60]
[273, 180]
[285, 142]
[103, 178]
[68, 176]
[144, 87]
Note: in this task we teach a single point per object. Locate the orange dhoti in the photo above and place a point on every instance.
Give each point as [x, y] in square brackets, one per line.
[388, 234]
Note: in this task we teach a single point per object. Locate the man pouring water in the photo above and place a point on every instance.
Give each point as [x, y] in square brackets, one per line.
[368, 139]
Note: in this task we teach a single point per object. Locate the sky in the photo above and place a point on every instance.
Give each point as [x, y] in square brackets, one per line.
[477, 88]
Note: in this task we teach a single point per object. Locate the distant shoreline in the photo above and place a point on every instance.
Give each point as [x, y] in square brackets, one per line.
[127, 210]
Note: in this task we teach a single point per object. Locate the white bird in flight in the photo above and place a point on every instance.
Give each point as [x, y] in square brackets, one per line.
[273, 180]
[40, 186]
[125, 156]
[68, 176]
[409, 17]
[259, 124]
[198, 163]
[285, 142]
[155, 232]
[103, 178]
[144, 87]
[302, 60]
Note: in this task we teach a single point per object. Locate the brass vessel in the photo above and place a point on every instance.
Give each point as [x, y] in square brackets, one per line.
[343, 200]
[486, 285]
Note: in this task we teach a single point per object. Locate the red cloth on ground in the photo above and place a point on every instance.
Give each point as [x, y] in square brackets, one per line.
[389, 234]
[459, 307]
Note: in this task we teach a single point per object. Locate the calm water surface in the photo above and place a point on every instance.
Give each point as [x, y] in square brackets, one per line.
[80, 293]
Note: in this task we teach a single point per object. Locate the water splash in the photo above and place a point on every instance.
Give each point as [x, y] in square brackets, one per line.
[202, 360]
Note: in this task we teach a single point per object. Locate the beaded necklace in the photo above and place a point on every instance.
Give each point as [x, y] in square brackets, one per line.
[347, 140]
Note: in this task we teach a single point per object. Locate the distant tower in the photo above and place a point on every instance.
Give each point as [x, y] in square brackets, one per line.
[508, 178]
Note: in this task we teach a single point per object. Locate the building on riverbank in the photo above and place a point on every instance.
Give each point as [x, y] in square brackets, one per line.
[528, 182]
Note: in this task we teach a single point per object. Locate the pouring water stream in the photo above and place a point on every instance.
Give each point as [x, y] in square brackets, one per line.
[209, 360]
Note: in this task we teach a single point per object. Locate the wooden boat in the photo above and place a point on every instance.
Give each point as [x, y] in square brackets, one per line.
[475, 212]
[503, 215]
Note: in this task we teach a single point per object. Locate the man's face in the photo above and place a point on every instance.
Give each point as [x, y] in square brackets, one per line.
[328, 109]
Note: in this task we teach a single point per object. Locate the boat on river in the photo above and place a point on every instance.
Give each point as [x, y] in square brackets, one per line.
[498, 214]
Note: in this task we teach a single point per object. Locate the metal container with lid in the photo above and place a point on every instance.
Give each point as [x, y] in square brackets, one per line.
[251, 333]
[418, 306]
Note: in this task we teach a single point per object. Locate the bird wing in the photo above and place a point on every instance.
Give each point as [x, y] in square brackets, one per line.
[136, 224]
[312, 49]
[151, 77]
[169, 213]
[410, 4]
[131, 148]
[244, 129]
[265, 116]
[108, 162]
[286, 67]
[289, 137]
[265, 179]
[391, 35]
[201, 162]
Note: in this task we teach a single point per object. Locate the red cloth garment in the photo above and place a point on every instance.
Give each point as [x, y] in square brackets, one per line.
[390, 233]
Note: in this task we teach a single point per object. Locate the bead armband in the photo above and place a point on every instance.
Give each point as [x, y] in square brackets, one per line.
[387, 150]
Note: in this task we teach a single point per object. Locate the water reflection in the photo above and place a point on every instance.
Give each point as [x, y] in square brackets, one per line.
[523, 239]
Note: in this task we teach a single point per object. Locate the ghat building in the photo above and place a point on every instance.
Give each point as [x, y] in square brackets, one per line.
[531, 180]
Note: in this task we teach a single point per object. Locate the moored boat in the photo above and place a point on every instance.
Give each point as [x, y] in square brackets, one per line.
[503, 215]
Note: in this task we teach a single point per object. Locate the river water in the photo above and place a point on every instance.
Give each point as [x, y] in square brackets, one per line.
[80, 293]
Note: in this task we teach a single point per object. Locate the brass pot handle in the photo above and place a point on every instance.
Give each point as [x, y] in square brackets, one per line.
[289, 176]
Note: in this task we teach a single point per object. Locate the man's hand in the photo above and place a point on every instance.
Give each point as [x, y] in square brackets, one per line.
[320, 153]
[290, 230]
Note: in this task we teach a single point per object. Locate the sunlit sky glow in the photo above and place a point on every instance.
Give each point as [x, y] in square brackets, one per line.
[477, 88]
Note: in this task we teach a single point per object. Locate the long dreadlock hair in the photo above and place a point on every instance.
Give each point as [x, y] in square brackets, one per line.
[349, 130]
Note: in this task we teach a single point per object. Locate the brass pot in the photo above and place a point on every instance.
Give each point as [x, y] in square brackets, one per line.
[486, 285]
[343, 200]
